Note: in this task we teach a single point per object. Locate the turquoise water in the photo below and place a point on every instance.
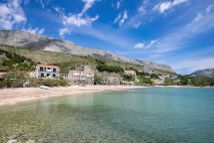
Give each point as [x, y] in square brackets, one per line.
[150, 115]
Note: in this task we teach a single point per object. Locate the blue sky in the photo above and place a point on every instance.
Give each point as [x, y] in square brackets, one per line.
[179, 33]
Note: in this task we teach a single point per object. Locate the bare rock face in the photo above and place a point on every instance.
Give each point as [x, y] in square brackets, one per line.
[203, 73]
[37, 42]
[150, 67]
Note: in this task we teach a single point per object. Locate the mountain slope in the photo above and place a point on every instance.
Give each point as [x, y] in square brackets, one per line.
[37, 42]
[203, 73]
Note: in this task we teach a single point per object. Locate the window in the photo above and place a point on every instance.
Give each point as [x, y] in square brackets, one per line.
[54, 75]
[42, 75]
[41, 68]
[54, 70]
[48, 75]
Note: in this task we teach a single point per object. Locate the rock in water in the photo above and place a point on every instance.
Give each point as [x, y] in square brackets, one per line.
[30, 141]
[12, 141]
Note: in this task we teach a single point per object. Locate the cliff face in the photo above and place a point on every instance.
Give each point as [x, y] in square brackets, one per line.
[204, 73]
[37, 42]
[152, 67]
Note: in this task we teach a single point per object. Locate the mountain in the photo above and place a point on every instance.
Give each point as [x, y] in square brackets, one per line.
[153, 67]
[38, 42]
[204, 73]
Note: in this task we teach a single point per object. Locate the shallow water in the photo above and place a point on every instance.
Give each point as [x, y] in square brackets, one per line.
[138, 115]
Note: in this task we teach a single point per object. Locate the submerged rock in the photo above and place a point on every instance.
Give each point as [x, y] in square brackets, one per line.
[12, 141]
[30, 141]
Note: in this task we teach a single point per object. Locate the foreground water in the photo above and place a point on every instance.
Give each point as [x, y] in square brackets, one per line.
[138, 115]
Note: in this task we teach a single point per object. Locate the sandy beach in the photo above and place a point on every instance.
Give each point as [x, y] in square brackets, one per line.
[22, 95]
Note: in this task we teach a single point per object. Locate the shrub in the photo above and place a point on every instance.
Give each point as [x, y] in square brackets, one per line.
[1, 84]
[15, 79]
[168, 81]
[97, 79]
[48, 82]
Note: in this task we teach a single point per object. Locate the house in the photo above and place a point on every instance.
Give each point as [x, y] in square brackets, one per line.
[113, 79]
[109, 78]
[161, 78]
[130, 72]
[47, 71]
[82, 75]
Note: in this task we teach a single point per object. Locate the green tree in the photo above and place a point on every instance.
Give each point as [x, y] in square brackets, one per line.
[184, 80]
[168, 81]
[15, 79]
[97, 79]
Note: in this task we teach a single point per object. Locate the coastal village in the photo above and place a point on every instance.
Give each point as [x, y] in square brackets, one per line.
[28, 68]
[85, 75]
[20, 71]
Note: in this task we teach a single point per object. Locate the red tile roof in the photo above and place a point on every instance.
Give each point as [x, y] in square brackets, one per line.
[49, 66]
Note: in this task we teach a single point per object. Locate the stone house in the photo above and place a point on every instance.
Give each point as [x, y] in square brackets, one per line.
[47, 71]
[130, 72]
[81, 76]
[109, 78]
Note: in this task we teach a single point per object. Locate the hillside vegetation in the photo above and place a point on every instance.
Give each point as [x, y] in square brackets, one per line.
[66, 61]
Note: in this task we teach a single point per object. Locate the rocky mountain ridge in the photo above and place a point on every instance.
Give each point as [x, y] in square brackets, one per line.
[204, 73]
[38, 42]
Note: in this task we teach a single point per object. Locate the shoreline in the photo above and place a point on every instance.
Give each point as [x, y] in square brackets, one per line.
[10, 97]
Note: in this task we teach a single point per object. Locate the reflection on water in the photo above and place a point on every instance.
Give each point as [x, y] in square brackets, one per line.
[138, 115]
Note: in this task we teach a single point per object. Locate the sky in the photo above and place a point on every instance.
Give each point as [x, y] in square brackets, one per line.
[179, 33]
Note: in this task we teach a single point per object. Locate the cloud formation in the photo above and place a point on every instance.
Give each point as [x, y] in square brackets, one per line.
[145, 45]
[77, 20]
[35, 30]
[164, 6]
[118, 4]
[11, 14]
[121, 18]
[43, 3]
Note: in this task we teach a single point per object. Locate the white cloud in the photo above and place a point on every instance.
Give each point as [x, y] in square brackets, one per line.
[141, 9]
[118, 4]
[145, 45]
[139, 46]
[136, 25]
[106, 34]
[77, 20]
[43, 3]
[59, 10]
[194, 64]
[11, 14]
[121, 18]
[164, 6]
[35, 30]
[182, 36]
[64, 31]
[88, 4]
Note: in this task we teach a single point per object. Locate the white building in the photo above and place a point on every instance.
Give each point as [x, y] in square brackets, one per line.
[47, 71]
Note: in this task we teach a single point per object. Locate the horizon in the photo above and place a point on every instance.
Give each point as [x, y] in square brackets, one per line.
[131, 29]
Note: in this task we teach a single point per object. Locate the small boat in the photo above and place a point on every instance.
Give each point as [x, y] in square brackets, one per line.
[44, 87]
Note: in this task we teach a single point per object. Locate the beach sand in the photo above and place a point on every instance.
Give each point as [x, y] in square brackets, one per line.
[22, 95]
